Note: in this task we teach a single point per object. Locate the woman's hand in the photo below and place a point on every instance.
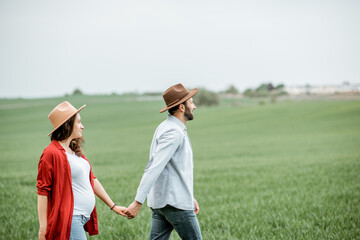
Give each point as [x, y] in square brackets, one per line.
[42, 210]
[42, 233]
[101, 193]
[120, 210]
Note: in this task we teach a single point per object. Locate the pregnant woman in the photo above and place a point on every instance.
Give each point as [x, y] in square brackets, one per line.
[66, 186]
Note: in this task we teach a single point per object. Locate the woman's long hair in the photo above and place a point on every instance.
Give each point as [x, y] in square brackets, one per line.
[64, 132]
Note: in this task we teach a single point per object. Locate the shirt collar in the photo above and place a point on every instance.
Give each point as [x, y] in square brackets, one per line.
[175, 119]
[57, 144]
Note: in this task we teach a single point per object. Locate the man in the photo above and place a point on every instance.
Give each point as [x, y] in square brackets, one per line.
[168, 178]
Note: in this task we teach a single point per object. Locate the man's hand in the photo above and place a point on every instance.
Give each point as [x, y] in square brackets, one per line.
[197, 208]
[133, 210]
[120, 210]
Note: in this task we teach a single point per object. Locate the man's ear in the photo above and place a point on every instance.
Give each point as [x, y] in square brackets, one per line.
[182, 107]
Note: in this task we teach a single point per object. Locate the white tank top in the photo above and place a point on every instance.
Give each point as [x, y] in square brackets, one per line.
[84, 198]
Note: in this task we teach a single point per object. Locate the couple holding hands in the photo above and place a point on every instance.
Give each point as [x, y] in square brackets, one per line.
[66, 185]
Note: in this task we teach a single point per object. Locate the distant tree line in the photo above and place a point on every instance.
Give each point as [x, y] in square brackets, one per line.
[77, 92]
[265, 90]
[231, 90]
[206, 98]
[209, 98]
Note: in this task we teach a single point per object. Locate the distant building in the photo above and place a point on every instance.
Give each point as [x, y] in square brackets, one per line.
[345, 88]
[293, 90]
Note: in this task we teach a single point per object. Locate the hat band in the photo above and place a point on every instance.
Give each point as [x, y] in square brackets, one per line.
[177, 100]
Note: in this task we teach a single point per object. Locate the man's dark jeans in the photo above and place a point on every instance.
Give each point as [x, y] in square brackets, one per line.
[164, 220]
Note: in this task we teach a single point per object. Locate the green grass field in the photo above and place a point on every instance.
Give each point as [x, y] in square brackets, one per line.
[289, 170]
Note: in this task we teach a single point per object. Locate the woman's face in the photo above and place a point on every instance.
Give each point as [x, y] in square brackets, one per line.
[78, 127]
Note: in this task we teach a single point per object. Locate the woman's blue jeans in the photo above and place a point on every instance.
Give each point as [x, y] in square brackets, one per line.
[164, 220]
[77, 227]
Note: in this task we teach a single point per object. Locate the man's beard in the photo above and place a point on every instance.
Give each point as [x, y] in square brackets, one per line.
[188, 115]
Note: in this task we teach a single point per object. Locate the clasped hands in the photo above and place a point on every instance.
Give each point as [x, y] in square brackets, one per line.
[134, 208]
[129, 212]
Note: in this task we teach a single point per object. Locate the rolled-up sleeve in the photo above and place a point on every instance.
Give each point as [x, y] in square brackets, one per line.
[45, 174]
[92, 175]
[167, 144]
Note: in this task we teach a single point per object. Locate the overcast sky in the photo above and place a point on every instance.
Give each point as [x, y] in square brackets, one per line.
[49, 48]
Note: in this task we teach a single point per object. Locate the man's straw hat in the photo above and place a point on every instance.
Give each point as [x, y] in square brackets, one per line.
[176, 95]
[61, 113]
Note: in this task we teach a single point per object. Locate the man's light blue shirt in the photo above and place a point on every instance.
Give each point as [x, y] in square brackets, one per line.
[168, 177]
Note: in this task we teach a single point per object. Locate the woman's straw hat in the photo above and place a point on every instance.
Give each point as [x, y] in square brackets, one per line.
[176, 95]
[61, 113]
